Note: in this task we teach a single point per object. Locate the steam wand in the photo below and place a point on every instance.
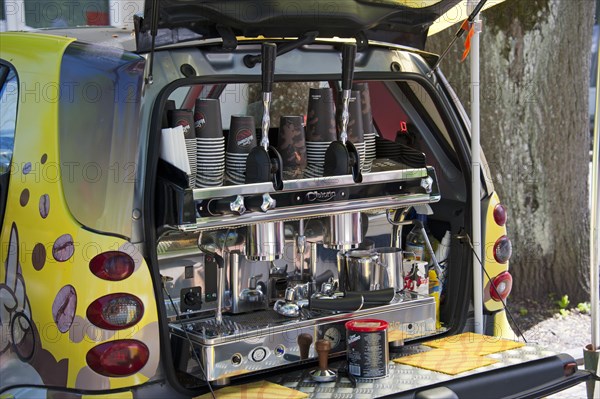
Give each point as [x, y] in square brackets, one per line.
[220, 289]
[214, 246]
[301, 242]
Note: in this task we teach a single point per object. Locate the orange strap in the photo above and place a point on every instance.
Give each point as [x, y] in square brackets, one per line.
[467, 41]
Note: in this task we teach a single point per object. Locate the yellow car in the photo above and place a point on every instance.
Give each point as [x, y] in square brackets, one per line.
[203, 203]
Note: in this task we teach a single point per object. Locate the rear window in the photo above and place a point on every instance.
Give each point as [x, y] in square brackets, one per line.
[99, 134]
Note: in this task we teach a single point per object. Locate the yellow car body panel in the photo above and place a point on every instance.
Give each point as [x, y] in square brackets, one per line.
[492, 267]
[45, 332]
[502, 328]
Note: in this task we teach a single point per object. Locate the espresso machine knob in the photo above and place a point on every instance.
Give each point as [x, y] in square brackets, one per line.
[261, 203]
[237, 206]
[268, 203]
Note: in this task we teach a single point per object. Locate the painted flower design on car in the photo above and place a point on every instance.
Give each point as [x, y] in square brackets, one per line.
[15, 312]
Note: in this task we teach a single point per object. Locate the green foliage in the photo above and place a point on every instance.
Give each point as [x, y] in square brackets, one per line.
[564, 312]
[584, 307]
[563, 302]
[523, 311]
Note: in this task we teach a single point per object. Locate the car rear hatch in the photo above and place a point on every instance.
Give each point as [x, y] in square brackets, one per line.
[404, 22]
[530, 372]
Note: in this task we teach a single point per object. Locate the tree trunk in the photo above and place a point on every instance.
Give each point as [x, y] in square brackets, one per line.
[535, 70]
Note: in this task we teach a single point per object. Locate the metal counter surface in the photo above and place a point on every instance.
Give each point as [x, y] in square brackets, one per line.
[401, 377]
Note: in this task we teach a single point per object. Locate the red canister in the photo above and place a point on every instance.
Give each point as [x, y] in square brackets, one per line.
[367, 348]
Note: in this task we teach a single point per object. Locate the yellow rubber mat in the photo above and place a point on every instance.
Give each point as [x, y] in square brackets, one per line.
[474, 344]
[446, 361]
[256, 390]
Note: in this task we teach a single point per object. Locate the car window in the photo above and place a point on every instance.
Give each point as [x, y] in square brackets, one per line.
[8, 116]
[288, 98]
[9, 98]
[66, 13]
[431, 111]
[99, 134]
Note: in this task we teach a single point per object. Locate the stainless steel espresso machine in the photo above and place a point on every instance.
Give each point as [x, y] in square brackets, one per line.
[284, 263]
[267, 278]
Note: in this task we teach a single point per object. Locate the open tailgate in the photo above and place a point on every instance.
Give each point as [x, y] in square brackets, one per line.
[526, 372]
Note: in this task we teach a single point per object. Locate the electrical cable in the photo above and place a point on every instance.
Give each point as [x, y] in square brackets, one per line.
[468, 237]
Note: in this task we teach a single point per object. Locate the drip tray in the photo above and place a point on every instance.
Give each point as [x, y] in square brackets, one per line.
[208, 332]
[238, 324]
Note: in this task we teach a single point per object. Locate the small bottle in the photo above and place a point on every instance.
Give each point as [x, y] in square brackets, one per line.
[415, 243]
[442, 253]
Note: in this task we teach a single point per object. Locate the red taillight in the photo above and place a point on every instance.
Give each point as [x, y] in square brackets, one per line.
[115, 311]
[502, 249]
[112, 265]
[501, 286]
[500, 215]
[118, 358]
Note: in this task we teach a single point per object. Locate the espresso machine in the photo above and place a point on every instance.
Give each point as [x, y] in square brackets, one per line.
[285, 263]
[266, 305]
[302, 268]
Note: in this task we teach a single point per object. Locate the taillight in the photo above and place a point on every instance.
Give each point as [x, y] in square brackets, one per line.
[118, 358]
[502, 249]
[500, 215]
[112, 265]
[501, 286]
[115, 311]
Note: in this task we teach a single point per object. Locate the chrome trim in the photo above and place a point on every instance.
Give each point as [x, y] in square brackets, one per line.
[306, 184]
[310, 211]
[229, 191]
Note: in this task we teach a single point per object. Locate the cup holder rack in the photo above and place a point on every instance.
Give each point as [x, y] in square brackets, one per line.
[389, 185]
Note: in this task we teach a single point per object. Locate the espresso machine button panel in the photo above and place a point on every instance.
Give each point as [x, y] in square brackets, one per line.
[210, 279]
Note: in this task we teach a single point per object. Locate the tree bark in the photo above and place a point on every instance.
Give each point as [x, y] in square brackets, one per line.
[535, 70]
